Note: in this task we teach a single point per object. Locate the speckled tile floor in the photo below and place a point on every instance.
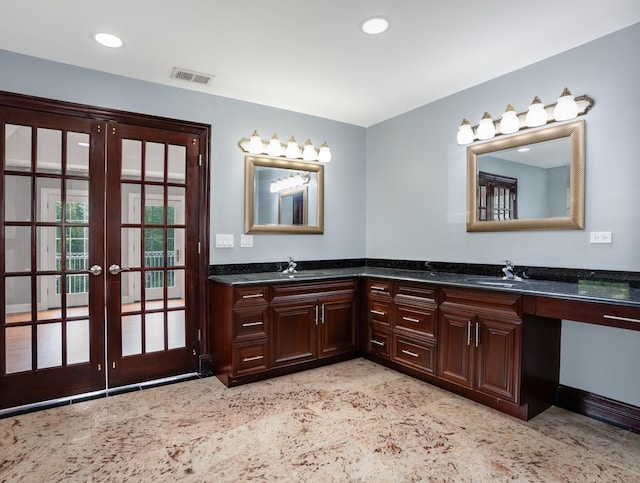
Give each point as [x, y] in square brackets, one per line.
[353, 421]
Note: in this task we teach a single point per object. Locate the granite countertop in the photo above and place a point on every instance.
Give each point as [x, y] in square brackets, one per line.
[584, 290]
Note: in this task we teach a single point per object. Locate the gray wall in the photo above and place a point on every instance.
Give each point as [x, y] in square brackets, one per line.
[397, 189]
[415, 169]
[231, 120]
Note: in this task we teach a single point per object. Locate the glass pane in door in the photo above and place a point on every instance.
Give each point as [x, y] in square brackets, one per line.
[45, 289]
[17, 150]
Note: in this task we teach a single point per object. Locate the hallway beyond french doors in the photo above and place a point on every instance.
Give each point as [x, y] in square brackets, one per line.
[101, 266]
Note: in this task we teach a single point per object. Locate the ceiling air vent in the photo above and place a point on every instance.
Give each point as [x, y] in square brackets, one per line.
[191, 76]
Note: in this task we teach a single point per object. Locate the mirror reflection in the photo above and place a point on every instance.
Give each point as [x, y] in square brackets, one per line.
[283, 196]
[529, 181]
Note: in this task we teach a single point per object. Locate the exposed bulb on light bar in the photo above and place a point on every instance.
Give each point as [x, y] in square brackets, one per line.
[536, 115]
[566, 108]
[324, 155]
[274, 148]
[293, 150]
[509, 122]
[309, 152]
[465, 133]
[255, 144]
[486, 127]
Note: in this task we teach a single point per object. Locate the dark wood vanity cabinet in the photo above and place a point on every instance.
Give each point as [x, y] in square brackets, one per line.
[313, 320]
[495, 353]
[379, 299]
[415, 326]
[240, 330]
[258, 331]
[480, 346]
[402, 323]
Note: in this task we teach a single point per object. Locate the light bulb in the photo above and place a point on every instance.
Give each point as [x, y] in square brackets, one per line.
[509, 122]
[566, 108]
[274, 148]
[486, 128]
[309, 152]
[536, 115]
[324, 155]
[255, 144]
[293, 150]
[465, 133]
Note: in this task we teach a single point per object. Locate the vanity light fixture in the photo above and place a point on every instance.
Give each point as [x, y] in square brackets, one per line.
[536, 115]
[566, 108]
[309, 153]
[108, 40]
[255, 144]
[486, 128]
[324, 155]
[465, 133]
[509, 123]
[293, 150]
[274, 148]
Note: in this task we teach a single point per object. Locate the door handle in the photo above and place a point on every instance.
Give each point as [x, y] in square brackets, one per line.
[95, 270]
[115, 269]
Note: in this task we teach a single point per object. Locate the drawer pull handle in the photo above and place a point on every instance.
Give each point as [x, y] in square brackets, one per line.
[379, 289]
[253, 296]
[377, 312]
[409, 353]
[377, 342]
[251, 324]
[254, 358]
[624, 319]
[411, 319]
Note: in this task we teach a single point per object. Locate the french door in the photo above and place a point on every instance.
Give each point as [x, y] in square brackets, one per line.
[100, 266]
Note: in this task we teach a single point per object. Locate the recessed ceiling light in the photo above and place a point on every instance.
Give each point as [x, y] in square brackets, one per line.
[523, 150]
[108, 40]
[374, 25]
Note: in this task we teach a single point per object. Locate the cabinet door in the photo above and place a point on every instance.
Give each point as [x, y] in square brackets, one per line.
[498, 358]
[293, 333]
[337, 326]
[455, 349]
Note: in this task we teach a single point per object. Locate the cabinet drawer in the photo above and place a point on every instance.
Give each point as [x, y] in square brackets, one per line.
[382, 288]
[250, 295]
[380, 312]
[250, 322]
[419, 319]
[419, 355]
[417, 292]
[378, 342]
[250, 357]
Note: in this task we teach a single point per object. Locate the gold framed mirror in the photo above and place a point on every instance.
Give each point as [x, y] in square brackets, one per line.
[530, 181]
[283, 196]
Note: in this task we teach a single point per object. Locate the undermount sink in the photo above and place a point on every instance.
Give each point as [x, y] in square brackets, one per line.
[301, 274]
[498, 282]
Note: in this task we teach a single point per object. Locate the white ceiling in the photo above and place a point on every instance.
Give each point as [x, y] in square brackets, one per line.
[309, 56]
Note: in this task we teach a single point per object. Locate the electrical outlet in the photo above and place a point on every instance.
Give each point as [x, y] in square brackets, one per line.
[246, 241]
[600, 237]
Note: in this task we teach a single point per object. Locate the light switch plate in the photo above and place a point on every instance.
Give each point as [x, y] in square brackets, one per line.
[246, 241]
[224, 240]
[600, 237]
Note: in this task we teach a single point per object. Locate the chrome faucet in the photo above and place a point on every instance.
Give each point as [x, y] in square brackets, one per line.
[291, 268]
[509, 271]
